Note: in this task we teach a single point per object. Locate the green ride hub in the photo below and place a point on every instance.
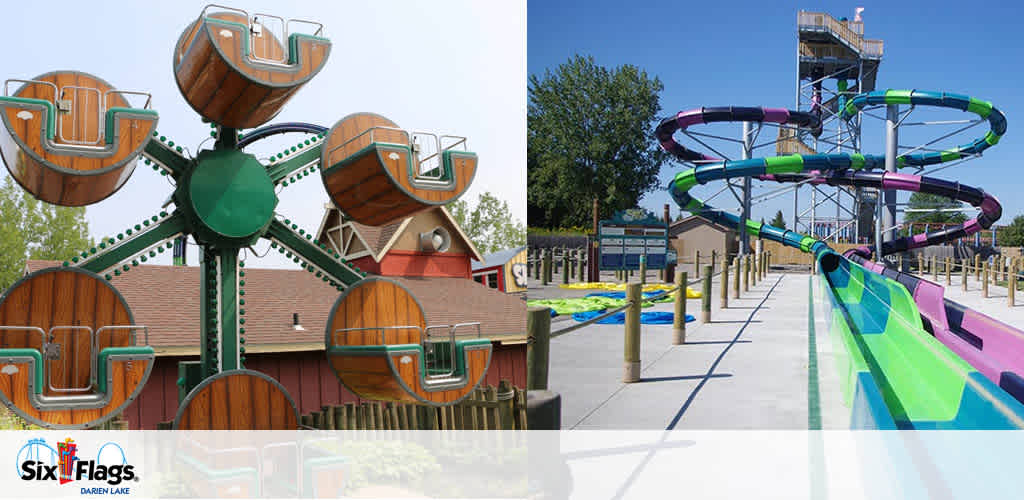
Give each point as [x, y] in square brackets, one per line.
[227, 197]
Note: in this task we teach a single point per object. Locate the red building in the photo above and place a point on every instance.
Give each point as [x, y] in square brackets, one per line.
[166, 300]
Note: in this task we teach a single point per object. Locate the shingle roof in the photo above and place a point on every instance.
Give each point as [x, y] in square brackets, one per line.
[166, 299]
[498, 258]
[377, 236]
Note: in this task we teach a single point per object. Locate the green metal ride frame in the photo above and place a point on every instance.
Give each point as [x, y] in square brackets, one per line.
[225, 199]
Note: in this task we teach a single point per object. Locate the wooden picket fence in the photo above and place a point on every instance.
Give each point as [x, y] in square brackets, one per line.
[487, 408]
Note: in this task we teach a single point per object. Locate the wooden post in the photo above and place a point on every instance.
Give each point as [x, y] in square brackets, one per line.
[736, 277]
[538, 347]
[705, 306]
[899, 262]
[746, 273]
[565, 267]
[679, 318]
[984, 279]
[1011, 284]
[581, 267]
[963, 274]
[723, 283]
[696, 265]
[945, 265]
[631, 367]
[977, 266]
[643, 270]
[545, 267]
[506, 406]
[714, 257]
[753, 270]
[935, 268]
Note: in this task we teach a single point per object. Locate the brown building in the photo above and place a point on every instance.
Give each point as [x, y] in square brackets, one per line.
[166, 300]
[695, 233]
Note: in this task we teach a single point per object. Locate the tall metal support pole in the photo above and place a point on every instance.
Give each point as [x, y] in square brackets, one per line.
[747, 154]
[892, 116]
[796, 207]
[878, 226]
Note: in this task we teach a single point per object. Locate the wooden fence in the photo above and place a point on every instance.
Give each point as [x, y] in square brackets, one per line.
[487, 408]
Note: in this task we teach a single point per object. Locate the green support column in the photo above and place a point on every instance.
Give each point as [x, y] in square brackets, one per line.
[230, 320]
[208, 313]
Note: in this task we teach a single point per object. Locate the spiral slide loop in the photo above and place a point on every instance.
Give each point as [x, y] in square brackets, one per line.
[847, 169]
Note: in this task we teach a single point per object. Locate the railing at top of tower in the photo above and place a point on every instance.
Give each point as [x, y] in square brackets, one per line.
[278, 32]
[850, 32]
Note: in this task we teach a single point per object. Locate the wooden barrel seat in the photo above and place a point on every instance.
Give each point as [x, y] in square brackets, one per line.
[235, 77]
[68, 357]
[375, 343]
[238, 400]
[70, 138]
[372, 170]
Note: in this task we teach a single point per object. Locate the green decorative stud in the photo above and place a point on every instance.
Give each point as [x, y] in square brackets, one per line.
[117, 272]
[108, 277]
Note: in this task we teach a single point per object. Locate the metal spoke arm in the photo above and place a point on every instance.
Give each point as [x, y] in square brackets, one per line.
[106, 257]
[279, 171]
[164, 156]
[317, 259]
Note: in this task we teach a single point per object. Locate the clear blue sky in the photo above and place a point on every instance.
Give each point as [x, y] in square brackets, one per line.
[743, 53]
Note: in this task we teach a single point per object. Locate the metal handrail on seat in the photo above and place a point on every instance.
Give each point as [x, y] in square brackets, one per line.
[74, 369]
[61, 108]
[380, 329]
[256, 29]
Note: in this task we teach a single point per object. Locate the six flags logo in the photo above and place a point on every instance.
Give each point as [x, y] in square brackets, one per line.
[69, 467]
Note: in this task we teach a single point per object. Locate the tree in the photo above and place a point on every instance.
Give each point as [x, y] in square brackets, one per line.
[489, 224]
[778, 221]
[31, 229]
[590, 135]
[1013, 234]
[934, 206]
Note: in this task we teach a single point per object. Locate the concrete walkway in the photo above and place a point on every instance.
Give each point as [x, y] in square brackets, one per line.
[747, 369]
[995, 305]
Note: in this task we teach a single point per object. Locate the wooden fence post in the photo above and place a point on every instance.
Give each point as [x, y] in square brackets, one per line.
[581, 276]
[1011, 285]
[963, 274]
[736, 277]
[977, 266]
[746, 273]
[506, 406]
[565, 267]
[724, 283]
[643, 270]
[696, 265]
[935, 268]
[984, 279]
[538, 347]
[679, 318]
[545, 267]
[631, 367]
[945, 265]
[714, 256]
[705, 306]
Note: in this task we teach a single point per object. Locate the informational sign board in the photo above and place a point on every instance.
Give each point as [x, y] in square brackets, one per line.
[626, 237]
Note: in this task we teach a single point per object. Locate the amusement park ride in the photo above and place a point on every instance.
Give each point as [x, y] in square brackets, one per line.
[70, 355]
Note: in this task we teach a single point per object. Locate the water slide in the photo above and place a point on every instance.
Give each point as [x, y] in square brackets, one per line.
[910, 359]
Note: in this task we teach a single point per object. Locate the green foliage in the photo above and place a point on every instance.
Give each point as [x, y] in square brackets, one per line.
[489, 224]
[590, 136]
[558, 231]
[1013, 234]
[932, 202]
[778, 221]
[31, 229]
